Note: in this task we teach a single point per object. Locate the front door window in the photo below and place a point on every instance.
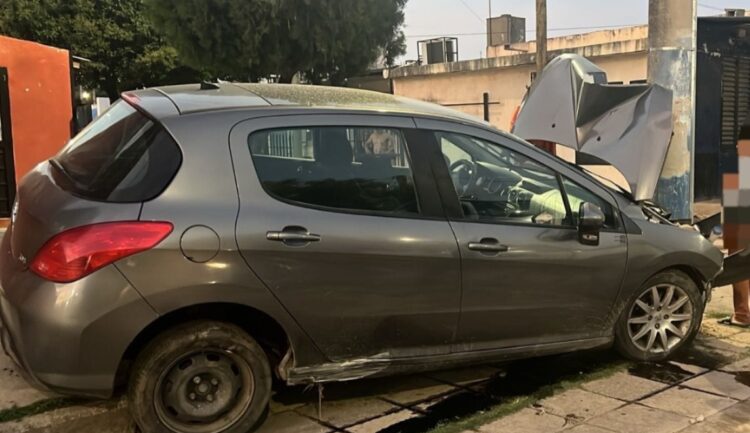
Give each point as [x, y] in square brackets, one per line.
[497, 185]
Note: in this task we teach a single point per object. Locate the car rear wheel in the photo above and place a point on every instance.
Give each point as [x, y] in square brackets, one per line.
[200, 377]
[663, 316]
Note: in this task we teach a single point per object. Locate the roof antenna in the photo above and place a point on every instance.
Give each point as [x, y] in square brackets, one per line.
[207, 85]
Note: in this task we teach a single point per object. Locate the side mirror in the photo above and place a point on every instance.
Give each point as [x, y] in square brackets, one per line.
[590, 223]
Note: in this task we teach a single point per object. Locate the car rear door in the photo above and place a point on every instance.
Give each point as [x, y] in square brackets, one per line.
[526, 278]
[340, 218]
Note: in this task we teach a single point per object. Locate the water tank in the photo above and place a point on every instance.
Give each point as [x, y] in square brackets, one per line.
[505, 30]
[440, 50]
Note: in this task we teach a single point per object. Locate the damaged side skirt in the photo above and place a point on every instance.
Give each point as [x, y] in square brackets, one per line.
[383, 363]
[338, 371]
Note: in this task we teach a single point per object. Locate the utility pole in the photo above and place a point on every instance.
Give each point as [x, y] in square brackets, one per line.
[672, 30]
[490, 4]
[541, 35]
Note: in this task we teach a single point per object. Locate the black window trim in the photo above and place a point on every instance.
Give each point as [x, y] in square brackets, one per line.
[615, 210]
[164, 128]
[427, 209]
[568, 209]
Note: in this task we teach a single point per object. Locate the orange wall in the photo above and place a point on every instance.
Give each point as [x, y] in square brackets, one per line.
[40, 100]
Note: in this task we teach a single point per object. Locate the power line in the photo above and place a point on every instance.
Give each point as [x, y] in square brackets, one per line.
[550, 29]
[527, 31]
[471, 10]
[703, 5]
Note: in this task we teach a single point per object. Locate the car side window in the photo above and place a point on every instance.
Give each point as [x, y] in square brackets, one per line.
[578, 195]
[347, 168]
[495, 184]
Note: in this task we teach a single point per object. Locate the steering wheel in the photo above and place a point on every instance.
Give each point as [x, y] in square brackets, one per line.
[463, 173]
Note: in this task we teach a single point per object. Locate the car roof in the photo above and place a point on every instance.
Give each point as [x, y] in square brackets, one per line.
[193, 98]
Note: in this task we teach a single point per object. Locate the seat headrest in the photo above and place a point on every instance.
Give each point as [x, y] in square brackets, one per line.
[333, 148]
[377, 161]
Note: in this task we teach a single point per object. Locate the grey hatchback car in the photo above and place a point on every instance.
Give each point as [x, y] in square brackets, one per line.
[196, 241]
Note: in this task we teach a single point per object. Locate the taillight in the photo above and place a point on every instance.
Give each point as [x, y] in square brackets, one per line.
[75, 253]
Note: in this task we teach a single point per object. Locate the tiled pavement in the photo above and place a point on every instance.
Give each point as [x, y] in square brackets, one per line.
[707, 389]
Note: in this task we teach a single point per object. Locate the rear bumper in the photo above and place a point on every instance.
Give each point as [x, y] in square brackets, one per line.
[69, 338]
[8, 348]
[7, 345]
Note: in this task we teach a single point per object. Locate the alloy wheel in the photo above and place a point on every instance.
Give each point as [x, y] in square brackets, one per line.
[660, 318]
[205, 391]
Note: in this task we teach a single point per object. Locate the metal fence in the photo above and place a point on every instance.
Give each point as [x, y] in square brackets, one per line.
[299, 143]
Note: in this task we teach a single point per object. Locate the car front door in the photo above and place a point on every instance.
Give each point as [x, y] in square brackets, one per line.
[526, 278]
[344, 225]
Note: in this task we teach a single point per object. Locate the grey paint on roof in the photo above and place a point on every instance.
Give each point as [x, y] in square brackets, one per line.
[190, 98]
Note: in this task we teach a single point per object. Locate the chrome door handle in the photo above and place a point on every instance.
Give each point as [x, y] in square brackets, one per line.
[287, 236]
[292, 235]
[488, 245]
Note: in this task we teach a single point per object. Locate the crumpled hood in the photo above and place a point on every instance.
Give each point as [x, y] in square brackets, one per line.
[628, 126]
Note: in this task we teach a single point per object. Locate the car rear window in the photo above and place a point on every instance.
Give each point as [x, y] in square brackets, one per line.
[123, 156]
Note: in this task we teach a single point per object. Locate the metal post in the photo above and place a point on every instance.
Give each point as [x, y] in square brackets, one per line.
[672, 30]
[541, 35]
[486, 104]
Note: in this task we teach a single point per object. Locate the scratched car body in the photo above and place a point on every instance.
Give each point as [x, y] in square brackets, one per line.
[197, 240]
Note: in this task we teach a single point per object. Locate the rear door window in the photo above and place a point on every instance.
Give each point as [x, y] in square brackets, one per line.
[347, 168]
[123, 156]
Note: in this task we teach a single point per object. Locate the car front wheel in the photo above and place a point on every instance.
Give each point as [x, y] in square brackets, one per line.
[200, 377]
[663, 316]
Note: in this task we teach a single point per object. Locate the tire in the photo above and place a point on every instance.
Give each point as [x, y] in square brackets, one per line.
[200, 377]
[635, 319]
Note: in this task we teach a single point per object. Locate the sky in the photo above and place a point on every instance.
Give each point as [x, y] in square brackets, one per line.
[465, 19]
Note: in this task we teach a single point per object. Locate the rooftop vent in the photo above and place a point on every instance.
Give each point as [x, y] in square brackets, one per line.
[735, 12]
[505, 30]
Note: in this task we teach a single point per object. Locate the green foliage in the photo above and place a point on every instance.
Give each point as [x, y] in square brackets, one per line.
[231, 39]
[214, 34]
[15, 413]
[115, 35]
[247, 39]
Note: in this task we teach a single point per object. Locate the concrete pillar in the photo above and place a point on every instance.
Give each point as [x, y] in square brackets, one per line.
[672, 30]
[541, 36]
